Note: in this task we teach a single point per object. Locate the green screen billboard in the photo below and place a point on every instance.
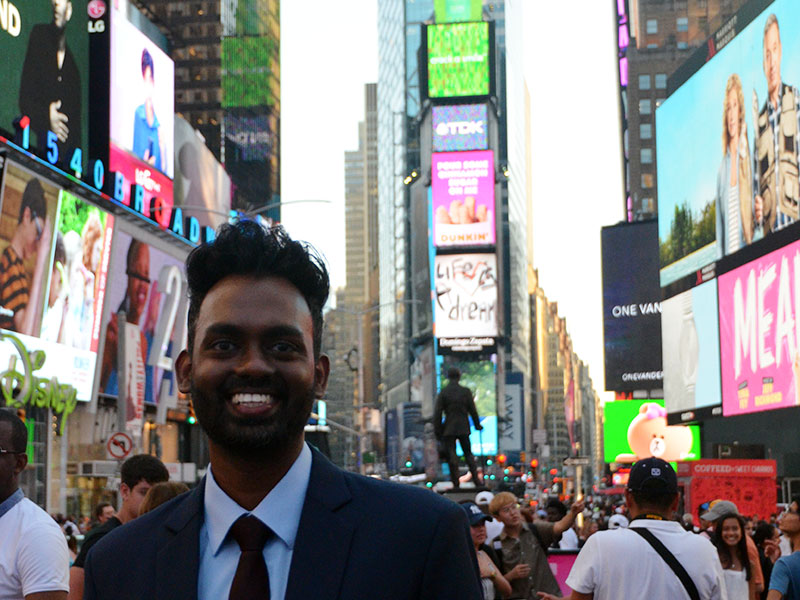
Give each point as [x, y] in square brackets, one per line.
[635, 429]
[458, 60]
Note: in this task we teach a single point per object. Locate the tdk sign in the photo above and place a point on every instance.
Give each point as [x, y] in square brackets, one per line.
[461, 127]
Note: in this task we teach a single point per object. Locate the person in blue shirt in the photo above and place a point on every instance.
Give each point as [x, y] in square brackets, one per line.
[784, 583]
[147, 143]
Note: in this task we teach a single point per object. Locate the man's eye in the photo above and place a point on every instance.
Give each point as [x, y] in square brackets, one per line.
[222, 345]
[283, 347]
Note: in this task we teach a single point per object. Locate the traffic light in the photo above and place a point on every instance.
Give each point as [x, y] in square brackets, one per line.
[554, 472]
[522, 457]
[534, 463]
[502, 458]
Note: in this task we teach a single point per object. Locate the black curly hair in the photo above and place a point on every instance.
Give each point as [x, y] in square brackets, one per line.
[247, 248]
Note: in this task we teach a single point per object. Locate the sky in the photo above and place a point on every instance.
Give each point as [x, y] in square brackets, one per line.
[327, 55]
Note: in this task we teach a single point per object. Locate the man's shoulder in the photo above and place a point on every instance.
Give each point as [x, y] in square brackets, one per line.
[35, 518]
[790, 561]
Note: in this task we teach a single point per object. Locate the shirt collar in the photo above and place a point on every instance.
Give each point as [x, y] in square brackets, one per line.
[280, 509]
[9, 503]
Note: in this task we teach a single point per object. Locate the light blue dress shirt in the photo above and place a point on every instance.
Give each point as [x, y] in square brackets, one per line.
[280, 510]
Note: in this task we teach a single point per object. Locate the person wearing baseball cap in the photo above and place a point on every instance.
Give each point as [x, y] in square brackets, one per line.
[632, 562]
[493, 526]
[491, 577]
[719, 510]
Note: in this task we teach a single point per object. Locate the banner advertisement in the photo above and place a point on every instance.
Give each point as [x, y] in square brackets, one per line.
[760, 333]
[133, 374]
[460, 127]
[481, 378]
[53, 270]
[463, 198]
[727, 163]
[466, 295]
[631, 306]
[149, 286]
[458, 59]
[511, 427]
[51, 90]
[636, 429]
[690, 349]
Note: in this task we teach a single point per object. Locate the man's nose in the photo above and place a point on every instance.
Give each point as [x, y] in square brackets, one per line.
[254, 362]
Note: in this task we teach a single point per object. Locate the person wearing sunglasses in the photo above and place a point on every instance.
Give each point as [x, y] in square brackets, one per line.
[34, 557]
[17, 286]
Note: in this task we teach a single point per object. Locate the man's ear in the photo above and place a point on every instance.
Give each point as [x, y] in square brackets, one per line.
[21, 463]
[322, 369]
[183, 371]
[124, 491]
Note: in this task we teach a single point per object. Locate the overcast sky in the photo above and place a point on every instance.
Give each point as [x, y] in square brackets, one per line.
[328, 54]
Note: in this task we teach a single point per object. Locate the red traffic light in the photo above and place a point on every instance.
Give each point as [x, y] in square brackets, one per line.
[501, 458]
[534, 463]
[553, 471]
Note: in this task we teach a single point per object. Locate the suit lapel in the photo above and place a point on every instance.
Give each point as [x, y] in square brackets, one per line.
[323, 538]
[178, 559]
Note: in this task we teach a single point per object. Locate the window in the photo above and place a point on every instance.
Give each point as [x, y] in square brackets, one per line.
[682, 23]
[647, 205]
[644, 107]
[645, 131]
[644, 82]
[652, 46]
[652, 25]
[661, 81]
[646, 156]
[682, 45]
[647, 180]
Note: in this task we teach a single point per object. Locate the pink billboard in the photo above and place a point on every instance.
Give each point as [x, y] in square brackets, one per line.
[463, 198]
[759, 308]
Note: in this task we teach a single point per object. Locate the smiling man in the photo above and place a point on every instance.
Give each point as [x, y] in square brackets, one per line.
[273, 518]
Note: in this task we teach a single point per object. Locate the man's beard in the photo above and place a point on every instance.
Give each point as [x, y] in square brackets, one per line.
[245, 435]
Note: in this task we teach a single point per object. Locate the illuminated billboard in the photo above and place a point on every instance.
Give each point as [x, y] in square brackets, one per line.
[249, 71]
[760, 333]
[53, 270]
[141, 116]
[51, 89]
[636, 429]
[149, 286]
[461, 127]
[727, 170]
[690, 350]
[458, 60]
[480, 376]
[631, 306]
[465, 295]
[463, 198]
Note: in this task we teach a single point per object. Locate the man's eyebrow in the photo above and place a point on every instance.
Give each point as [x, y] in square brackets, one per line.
[218, 329]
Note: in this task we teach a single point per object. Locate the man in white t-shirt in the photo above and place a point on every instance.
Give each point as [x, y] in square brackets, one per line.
[622, 564]
[34, 559]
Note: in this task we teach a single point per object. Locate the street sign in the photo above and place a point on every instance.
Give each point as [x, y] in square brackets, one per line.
[119, 445]
[577, 461]
[539, 436]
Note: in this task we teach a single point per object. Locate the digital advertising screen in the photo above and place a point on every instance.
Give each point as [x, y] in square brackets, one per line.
[53, 270]
[148, 285]
[690, 350]
[460, 127]
[250, 66]
[759, 313]
[727, 160]
[636, 429]
[201, 184]
[142, 114]
[463, 198]
[631, 306]
[51, 90]
[465, 295]
[458, 60]
[481, 378]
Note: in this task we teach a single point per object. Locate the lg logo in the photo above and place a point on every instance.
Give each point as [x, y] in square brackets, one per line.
[460, 128]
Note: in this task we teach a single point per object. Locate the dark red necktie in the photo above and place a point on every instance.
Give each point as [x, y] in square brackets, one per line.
[251, 581]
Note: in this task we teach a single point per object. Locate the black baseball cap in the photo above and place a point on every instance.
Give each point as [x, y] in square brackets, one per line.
[475, 515]
[653, 474]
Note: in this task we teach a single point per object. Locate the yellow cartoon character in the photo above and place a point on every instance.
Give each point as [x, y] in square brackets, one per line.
[649, 435]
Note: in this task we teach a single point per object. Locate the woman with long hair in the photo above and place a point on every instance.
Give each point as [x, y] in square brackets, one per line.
[735, 223]
[732, 549]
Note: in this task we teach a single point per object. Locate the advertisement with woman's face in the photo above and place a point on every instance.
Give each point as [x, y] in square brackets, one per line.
[728, 146]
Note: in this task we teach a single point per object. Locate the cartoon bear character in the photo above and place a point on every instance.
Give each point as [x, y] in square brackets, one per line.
[649, 435]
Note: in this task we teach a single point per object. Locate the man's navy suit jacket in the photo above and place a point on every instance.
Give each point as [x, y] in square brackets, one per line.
[358, 538]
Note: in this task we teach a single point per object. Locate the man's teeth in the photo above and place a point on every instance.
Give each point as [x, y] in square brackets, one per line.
[252, 399]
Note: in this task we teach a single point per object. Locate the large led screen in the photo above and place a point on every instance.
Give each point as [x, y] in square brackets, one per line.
[49, 87]
[53, 268]
[690, 349]
[636, 429]
[463, 198]
[458, 60]
[480, 377]
[727, 171]
[631, 307]
[461, 127]
[465, 290]
[760, 333]
[149, 286]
